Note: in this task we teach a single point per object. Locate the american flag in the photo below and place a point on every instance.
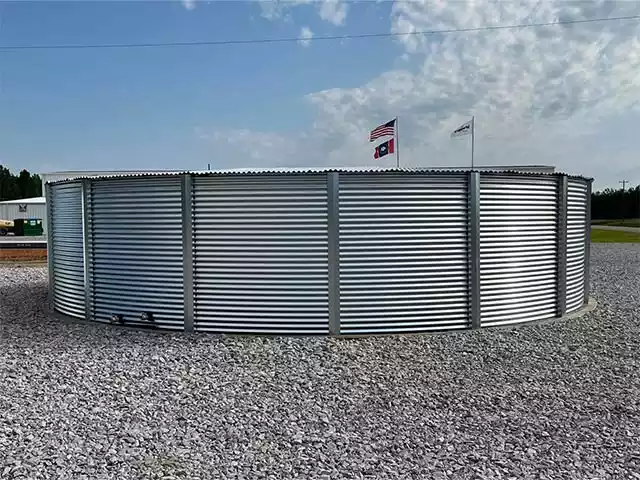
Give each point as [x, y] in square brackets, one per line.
[383, 130]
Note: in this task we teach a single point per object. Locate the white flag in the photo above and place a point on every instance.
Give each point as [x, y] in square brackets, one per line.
[464, 129]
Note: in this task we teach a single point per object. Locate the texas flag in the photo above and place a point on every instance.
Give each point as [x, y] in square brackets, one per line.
[384, 149]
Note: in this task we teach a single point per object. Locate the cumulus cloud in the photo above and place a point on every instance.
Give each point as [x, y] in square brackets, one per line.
[538, 94]
[305, 36]
[333, 11]
[524, 75]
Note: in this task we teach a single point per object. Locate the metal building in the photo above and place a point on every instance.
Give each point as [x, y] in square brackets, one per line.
[320, 251]
[24, 208]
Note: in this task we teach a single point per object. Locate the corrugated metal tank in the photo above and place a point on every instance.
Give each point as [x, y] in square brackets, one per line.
[333, 252]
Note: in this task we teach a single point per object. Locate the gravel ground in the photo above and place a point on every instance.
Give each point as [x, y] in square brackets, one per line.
[554, 401]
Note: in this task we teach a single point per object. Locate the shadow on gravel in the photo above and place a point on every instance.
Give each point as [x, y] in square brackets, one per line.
[25, 319]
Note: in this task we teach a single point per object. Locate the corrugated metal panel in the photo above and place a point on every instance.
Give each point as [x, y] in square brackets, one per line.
[518, 247]
[260, 254]
[12, 211]
[523, 170]
[136, 250]
[68, 251]
[403, 253]
[576, 228]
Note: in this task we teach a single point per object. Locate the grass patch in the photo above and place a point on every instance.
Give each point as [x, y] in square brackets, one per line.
[625, 222]
[614, 236]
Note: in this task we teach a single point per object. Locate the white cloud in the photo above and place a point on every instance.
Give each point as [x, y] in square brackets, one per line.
[189, 4]
[332, 11]
[540, 95]
[305, 36]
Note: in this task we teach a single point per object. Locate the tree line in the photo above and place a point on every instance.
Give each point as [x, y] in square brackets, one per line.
[610, 204]
[16, 187]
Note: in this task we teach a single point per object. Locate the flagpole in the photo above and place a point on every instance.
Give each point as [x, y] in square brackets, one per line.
[473, 134]
[397, 143]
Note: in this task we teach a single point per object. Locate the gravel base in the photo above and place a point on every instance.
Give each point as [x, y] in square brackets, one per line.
[553, 401]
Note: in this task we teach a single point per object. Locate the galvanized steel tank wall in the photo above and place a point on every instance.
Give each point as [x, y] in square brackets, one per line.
[135, 249]
[518, 248]
[260, 254]
[66, 249]
[320, 253]
[403, 253]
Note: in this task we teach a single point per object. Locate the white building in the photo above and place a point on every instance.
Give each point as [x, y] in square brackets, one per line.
[24, 208]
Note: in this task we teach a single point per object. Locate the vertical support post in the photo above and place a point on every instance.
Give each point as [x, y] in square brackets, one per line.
[473, 139]
[397, 143]
[86, 232]
[561, 243]
[333, 227]
[474, 248]
[187, 250]
[48, 192]
[587, 244]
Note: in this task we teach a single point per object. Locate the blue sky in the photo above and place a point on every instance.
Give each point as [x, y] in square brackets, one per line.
[565, 96]
[138, 108]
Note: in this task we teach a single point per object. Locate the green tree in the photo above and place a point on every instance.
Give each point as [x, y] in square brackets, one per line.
[24, 183]
[8, 187]
[612, 204]
[14, 187]
[36, 185]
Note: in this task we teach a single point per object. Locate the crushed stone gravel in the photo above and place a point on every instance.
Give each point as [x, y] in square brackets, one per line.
[550, 401]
